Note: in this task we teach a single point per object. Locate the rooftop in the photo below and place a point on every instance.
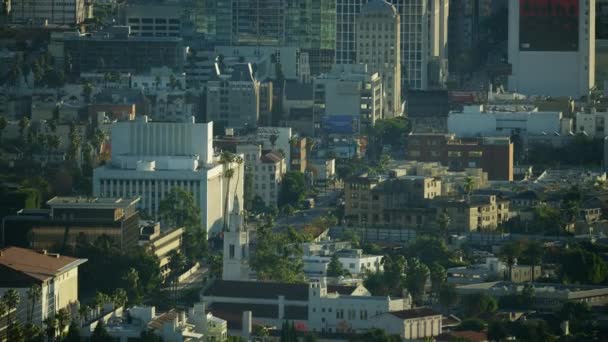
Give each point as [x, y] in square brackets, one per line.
[415, 313]
[92, 202]
[40, 266]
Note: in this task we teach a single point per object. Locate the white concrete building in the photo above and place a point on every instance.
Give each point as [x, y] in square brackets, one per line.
[172, 326]
[352, 260]
[150, 158]
[57, 276]
[592, 123]
[58, 12]
[551, 56]
[267, 169]
[504, 120]
[351, 91]
[314, 307]
[378, 45]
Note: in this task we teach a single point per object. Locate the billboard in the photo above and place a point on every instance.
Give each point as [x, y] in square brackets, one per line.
[341, 124]
[548, 25]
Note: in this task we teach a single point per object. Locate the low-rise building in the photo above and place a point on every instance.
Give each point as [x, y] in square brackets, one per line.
[323, 170]
[57, 276]
[160, 243]
[592, 123]
[493, 154]
[193, 325]
[546, 295]
[491, 269]
[73, 219]
[412, 324]
[267, 169]
[317, 256]
[314, 307]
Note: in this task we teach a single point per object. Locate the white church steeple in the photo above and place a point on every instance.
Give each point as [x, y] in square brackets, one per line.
[236, 246]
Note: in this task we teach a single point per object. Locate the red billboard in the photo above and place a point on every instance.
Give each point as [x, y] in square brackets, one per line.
[548, 25]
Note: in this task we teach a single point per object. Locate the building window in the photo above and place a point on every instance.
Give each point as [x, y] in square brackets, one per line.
[231, 252]
[454, 154]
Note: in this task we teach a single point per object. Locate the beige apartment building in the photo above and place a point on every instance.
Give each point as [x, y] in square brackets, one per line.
[416, 203]
[267, 170]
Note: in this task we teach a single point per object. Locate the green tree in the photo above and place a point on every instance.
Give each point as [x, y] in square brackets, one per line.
[533, 253]
[443, 224]
[3, 124]
[293, 188]
[63, 320]
[375, 335]
[33, 333]
[33, 294]
[131, 280]
[468, 186]
[335, 269]
[50, 327]
[438, 277]
[583, 267]
[15, 332]
[287, 210]
[100, 334]
[178, 209]
[475, 305]
[87, 91]
[509, 254]
[498, 331]
[73, 334]
[448, 297]
[119, 298]
[277, 257]
[11, 299]
[429, 250]
[24, 124]
[417, 275]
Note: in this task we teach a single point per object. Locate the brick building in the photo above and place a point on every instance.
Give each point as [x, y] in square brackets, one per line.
[493, 154]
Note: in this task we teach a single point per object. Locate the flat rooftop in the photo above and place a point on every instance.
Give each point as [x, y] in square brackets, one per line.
[92, 202]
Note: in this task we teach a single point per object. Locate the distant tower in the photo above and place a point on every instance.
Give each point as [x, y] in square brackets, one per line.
[236, 247]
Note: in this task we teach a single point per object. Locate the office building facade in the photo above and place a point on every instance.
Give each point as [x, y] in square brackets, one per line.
[151, 158]
[423, 25]
[377, 45]
[58, 12]
[545, 37]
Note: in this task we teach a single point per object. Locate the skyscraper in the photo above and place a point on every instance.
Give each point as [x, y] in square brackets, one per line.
[377, 45]
[421, 28]
[552, 47]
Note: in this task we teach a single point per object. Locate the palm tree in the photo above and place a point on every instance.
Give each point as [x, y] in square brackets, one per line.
[443, 222]
[3, 310]
[24, 123]
[50, 324]
[534, 253]
[468, 186]
[3, 124]
[63, 320]
[227, 158]
[11, 298]
[509, 253]
[33, 294]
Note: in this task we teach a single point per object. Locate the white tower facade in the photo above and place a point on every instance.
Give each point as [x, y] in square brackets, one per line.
[236, 247]
[552, 47]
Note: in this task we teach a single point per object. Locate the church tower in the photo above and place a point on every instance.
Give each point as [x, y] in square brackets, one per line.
[236, 247]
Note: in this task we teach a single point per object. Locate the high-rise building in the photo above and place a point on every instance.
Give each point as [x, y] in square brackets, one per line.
[258, 22]
[311, 26]
[423, 25]
[151, 158]
[465, 19]
[377, 45]
[552, 47]
[233, 97]
[59, 12]
[153, 20]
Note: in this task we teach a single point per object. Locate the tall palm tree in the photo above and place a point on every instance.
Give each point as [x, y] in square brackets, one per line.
[443, 223]
[509, 253]
[3, 124]
[468, 186]
[33, 294]
[227, 158]
[11, 298]
[3, 311]
[534, 253]
[24, 123]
